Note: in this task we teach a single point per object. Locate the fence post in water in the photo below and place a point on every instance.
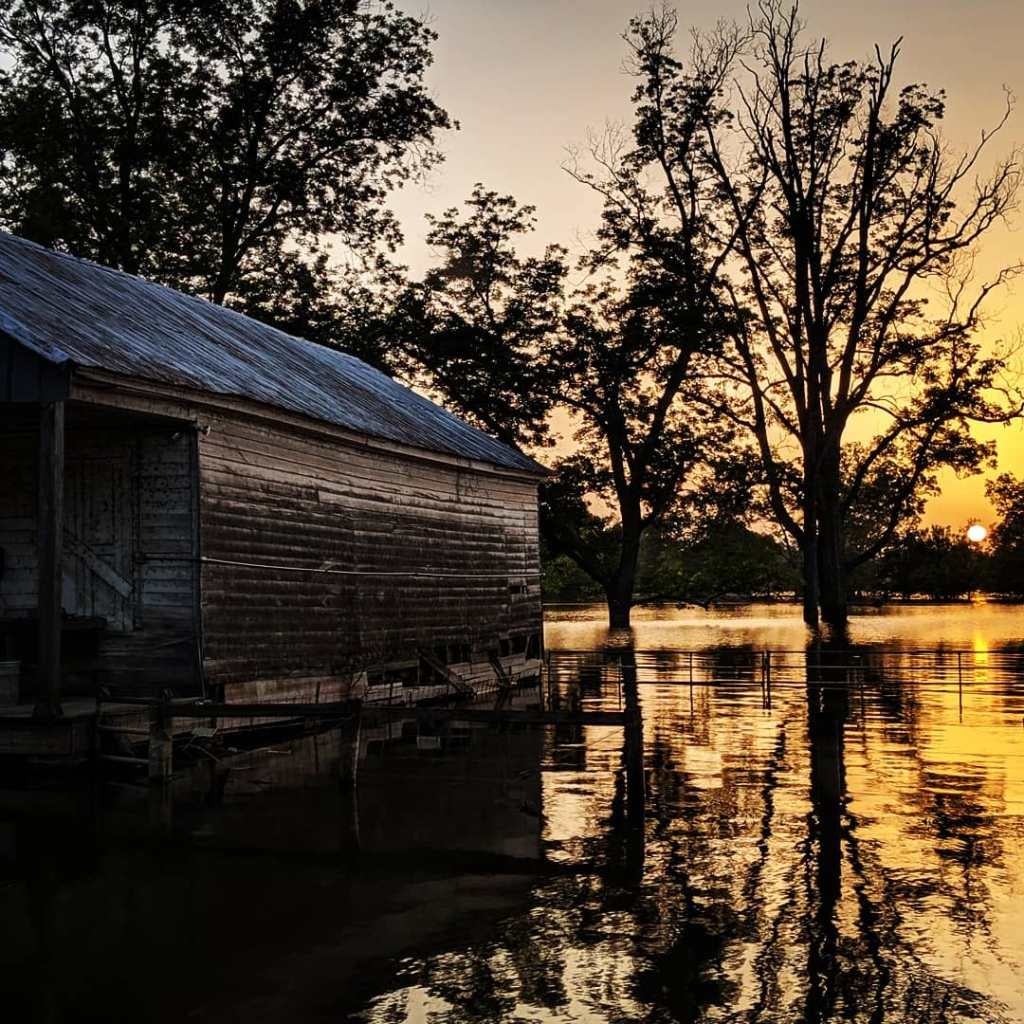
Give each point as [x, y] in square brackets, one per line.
[960, 681]
[633, 736]
[348, 764]
[766, 680]
[161, 742]
[548, 682]
[636, 795]
[691, 682]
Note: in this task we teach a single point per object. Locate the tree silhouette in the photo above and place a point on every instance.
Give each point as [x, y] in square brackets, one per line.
[838, 209]
[478, 328]
[202, 144]
[632, 364]
[1006, 492]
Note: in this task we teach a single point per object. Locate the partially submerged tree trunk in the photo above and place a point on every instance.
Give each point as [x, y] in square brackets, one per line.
[620, 592]
[810, 576]
[831, 541]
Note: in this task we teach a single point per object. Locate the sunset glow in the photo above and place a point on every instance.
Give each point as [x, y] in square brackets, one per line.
[976, 533]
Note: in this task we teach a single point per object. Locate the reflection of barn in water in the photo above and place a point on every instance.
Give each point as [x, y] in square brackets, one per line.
[244, 513]
[474, 789]
[268, 899]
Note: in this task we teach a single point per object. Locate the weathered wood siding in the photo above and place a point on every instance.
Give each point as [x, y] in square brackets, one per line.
[161, 649]
[324, 559]
[167, 527]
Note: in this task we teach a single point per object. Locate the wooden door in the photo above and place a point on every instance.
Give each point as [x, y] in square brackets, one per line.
[99, 537]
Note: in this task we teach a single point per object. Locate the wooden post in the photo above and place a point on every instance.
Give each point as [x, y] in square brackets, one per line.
[960, 681]
[636, 796]
[161, 743]
[161, 809]
[348, 765]
[633, 737]
[51, 537]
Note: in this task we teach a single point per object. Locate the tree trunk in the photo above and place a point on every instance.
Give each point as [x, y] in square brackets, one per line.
[810, 575]
[620, 604]
[809, 568]
[621, 587]
[833, 578]
[831, 562]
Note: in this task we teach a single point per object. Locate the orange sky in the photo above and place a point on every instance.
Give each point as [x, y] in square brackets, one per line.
[527, 78]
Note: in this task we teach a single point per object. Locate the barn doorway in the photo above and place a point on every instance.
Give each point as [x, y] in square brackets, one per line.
[100, 517]
[129, 568]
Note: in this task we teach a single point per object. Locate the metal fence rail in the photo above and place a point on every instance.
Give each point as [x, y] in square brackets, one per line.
[769, 669]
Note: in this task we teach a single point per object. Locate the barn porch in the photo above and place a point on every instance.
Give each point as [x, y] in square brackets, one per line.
[98, 547]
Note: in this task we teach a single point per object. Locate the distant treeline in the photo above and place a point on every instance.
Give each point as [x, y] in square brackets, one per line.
[731, 562]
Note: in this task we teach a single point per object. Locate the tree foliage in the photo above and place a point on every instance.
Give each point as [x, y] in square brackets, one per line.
[632, 362]
[1006, 493]
[934, 562]
[212, 145]
[477, 329]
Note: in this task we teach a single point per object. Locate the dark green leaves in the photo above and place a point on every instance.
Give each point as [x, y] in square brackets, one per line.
[199, 143]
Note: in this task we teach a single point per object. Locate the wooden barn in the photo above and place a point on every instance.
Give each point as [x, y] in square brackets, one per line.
[193, 501]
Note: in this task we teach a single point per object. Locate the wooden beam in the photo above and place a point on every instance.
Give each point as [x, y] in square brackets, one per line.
[51, 537]
[79, 549]
[451, 678]
[161, 743]
[346, 709]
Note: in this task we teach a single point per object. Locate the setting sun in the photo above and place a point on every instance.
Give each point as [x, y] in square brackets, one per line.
[976, 533]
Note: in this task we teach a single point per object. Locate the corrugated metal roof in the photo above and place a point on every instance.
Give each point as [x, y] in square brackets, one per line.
[68, 309]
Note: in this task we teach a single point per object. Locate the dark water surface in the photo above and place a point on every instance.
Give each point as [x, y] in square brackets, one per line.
[850, 852]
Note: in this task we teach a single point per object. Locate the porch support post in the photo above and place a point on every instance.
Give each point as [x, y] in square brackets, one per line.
[51, 538]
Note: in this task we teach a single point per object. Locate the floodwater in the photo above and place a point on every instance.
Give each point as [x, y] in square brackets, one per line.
[981, 625]
[851, 850]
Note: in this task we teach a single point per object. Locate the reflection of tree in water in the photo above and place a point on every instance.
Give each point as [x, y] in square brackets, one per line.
[683, 950]
[874, 972]
[745, 911]
[473, 984]
[952, 815]
[871, 972]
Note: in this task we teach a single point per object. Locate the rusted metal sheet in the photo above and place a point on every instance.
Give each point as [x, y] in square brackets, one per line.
[70, 311]
[321, 561]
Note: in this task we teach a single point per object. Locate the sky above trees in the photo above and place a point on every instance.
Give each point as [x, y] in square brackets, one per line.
[528, 80]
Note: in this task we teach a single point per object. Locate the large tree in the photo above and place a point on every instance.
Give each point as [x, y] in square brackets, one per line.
[633, 361]
[640, 346]
[477, 328]
[492, 333]
[852, 360]
[203, 142]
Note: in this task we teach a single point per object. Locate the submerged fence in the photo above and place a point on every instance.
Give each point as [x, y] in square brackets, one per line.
[769, 669]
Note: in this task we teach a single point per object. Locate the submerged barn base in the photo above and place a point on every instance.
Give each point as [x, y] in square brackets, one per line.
[142, 734]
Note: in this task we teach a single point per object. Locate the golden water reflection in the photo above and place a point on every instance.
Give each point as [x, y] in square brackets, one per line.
[848, 853]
